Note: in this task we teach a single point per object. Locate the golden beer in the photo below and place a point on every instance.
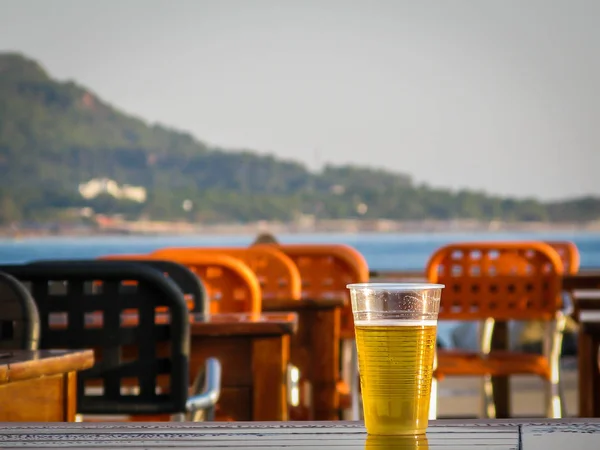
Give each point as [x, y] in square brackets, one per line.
[396, 365]
[414, 442]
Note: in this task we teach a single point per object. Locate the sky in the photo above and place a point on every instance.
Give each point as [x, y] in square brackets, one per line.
[499, 96]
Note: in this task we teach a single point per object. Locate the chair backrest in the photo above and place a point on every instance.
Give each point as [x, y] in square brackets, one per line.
[193, 290]
[19, 317]
[130, 349]
[325, 270]
[569, 255]
[230, 284]
[276, 272]
[501, 280]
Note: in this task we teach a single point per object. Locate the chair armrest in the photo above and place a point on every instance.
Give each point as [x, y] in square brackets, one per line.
[205, 398]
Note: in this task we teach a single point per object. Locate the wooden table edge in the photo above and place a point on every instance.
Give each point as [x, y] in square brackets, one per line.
[305, 304]
[48, 365]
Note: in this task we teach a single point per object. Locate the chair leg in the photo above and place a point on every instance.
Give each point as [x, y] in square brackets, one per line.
[555, 405]
[354, 385]
[348, 369]
[487, 388]
[554, 401]
[487, 398]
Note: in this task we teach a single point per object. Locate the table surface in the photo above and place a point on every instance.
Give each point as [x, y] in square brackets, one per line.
[244, 324]
[221, 324]
[20, 365]
[583, 434]
[278, 304]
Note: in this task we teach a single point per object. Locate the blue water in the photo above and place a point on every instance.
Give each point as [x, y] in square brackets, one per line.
[382, 251]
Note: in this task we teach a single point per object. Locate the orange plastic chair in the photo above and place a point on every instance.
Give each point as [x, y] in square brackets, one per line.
[215, 266]
[325, 270]
[501, 281]
[230, 284]
[277, 274]
[569, 255]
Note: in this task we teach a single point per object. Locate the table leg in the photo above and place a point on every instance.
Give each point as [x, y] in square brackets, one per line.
[501, 384]
[589, 375]
[324, 354]
[70, 398]
[270, 357]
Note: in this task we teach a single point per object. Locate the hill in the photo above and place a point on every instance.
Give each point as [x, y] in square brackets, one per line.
[56, 135]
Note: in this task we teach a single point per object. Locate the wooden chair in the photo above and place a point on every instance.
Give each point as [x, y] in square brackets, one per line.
[19, 316]
[501, 281]
[277, 274]
[326, 270]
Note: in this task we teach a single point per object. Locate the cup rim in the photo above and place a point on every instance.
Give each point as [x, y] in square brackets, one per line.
[395, 286]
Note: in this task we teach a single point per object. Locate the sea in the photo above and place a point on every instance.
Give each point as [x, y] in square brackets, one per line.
[383, 251]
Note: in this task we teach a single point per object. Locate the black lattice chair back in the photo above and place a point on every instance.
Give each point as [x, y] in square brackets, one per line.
[19, 317]
[91, 305]
[184, 278]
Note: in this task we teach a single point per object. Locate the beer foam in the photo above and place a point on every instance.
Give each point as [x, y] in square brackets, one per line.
[395, 323]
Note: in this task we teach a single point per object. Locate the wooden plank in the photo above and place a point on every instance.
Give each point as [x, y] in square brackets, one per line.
[271, 324]
[580, 436]
[234, 353]
[270, 358]
[501, 385]
[44, 399]
[69, 397]
[589, 375]
[585, 291]
[324, 344]
[252, 435]
[277, 304]
[25, 365]
[584, 279]
[315, 351]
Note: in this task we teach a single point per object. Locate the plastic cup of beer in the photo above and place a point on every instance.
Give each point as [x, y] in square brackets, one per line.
[395, 328]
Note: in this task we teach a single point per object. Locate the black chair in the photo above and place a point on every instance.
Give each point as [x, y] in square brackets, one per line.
[19, 317]
[91, 304]
[184, 278]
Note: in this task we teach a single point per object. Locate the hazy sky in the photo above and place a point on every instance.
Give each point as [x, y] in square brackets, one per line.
[495, 95]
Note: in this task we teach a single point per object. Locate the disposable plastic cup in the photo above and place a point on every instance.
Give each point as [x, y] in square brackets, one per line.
[395, 326]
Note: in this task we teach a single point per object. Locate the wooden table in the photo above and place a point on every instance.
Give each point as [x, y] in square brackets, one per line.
[585, 290]
[315, 350]
[442, 435]
[40, 385]
[254, 350]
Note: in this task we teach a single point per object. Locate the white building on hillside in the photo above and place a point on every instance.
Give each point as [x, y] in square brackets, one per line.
[98, 186]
